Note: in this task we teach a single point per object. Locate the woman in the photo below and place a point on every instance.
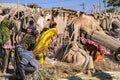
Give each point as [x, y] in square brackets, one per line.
[43, 43]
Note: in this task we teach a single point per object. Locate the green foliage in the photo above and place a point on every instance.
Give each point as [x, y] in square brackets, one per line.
[111, 10]
[113, 3]
[28, 41]
[45, 74]
[104, 1]
[4, 32]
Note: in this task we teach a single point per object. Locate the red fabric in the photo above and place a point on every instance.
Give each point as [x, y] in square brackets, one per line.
[29, 29]
[101, 48]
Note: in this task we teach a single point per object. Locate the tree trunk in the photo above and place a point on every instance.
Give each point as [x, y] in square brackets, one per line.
[105, 40]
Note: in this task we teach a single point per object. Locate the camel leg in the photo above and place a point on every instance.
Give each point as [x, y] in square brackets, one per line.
[13, 39]
[88, 66]
[76, 33]
[80, 59]
[91, 65]
[87, 61]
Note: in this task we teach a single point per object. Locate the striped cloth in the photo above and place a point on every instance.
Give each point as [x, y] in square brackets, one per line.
[101, 48]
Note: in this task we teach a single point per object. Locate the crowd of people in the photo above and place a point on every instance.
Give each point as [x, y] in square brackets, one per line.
[31, 51]
[27, 53]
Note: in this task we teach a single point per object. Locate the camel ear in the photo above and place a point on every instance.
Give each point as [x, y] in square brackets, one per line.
[55, 13]
[42, 13]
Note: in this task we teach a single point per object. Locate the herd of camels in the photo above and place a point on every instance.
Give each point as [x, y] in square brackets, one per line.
[70, 23]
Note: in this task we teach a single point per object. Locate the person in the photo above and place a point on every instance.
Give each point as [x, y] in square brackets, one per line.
[26, 62]
[43, 43]
[5, 43]
[115, 30]
[31, 27]
[96, 50]
[29, 40]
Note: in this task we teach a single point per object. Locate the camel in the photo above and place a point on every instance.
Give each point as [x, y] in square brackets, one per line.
[63, 18]
[16, 26]
[18, 22]
[74, 19]
[85, 23]
[43, 20]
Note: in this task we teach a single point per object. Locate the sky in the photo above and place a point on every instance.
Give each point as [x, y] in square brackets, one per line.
[69, 4]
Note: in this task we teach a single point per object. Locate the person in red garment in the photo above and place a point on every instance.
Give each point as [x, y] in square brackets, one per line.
[96, 50]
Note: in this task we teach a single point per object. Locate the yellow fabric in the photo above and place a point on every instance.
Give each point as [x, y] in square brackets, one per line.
[41, 58]
[43, 43]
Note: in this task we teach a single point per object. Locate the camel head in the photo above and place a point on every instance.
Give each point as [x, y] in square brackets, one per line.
[44, 20]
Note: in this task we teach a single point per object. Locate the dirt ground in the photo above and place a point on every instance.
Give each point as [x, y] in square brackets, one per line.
[106, 68]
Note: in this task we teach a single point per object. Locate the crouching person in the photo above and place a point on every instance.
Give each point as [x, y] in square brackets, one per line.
[27, 62]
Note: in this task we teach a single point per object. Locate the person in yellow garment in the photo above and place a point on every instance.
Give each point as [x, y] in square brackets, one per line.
[43, 43]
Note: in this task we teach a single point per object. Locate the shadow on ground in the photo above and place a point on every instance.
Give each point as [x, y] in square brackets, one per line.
[102, 76]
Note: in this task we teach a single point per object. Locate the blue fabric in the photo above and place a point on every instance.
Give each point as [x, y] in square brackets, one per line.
[1, 54]
[27, 57]
[35, 64]
[33, 28]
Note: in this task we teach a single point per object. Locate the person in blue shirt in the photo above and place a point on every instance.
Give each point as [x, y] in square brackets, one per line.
[27, 62]
[31, 27]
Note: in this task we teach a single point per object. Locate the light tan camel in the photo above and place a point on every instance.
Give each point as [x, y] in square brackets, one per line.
[85, 23]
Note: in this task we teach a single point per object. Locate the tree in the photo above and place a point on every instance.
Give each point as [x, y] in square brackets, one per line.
[114, 3]
[111, 10]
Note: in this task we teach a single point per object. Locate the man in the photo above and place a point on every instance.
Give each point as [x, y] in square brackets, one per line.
[29, 40]
[115, 30]
[26, 62]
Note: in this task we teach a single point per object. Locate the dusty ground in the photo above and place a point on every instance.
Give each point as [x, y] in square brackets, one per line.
[107, 69]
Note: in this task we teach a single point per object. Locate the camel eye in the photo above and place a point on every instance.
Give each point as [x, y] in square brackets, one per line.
[48, 19]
